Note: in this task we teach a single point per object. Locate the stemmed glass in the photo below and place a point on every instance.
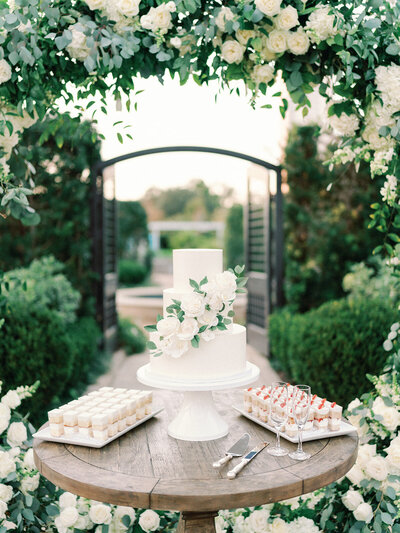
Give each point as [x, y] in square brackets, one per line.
[278, 414]
[301, 402]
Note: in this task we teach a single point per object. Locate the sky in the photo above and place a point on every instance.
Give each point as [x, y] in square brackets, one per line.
[173, 115]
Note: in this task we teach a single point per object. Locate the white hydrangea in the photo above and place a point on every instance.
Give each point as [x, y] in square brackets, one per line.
[389, 194]
[232, 51]
[388, 81]
[344, 124]
[287, 19]
[224, 14]
[321, 24]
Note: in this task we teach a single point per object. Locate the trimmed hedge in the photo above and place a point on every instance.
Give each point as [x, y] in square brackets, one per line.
[333, 347]
[131, 337]
[131, 272]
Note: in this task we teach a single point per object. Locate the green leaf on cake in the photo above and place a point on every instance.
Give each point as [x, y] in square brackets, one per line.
[203, 328]
[227, 321]
[221, 327]
[241, 282]
[151, 345]
[231, 313]
[239, 269]
[152, 327]
[194, 284]
[180, 315]
[195, 341]
[238, 291]
[204, 280]
[159, 317]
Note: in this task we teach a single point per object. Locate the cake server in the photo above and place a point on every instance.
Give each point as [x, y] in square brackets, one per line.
[235, 471]
[237, 450]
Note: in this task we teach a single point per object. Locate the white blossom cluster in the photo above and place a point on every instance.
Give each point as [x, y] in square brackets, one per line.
[199, 316]
[18, 123]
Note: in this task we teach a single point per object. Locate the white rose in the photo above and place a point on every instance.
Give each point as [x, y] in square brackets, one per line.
[354, 404]
[287, 18]
[277, 41]
[160, 18]
[391, 417]
[225, 284]
[83, 523]
[77, 48]
[5, 71]
[376, 468]
[352, 499]
[321, 24]
[60, 528]
[262, 74]
[122, 511]
[298, 42]
[215, 301]
[95, 4]
[225, 14]
[28, 461]
[30, 484]
[232, 51]
[268, 7]
[146, 22]
[69, 516]
[129, 8]
[171, 6]
[208, 318]
[355, 475]
[167, 327]
[67, 499]
[3, 509]
[9, 525]
[7, 142]
[279, 526]
[258, 521]
[149, 520]
[193, 305]
[176, 42]
[16, 434]
[365, 453]
[174, 347]
[364, 513]
[6, 492]
[5, 415]
[11, 399]
[393, 456]
[189, 328]
[100, 514]
[243, 36]
[207, 335]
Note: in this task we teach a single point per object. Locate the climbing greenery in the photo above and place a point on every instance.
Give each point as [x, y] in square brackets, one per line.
[77, 49]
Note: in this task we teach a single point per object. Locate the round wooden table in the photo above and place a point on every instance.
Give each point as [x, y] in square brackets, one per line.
[146, 468]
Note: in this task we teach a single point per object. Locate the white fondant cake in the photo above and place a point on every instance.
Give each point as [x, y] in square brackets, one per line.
[222, 357]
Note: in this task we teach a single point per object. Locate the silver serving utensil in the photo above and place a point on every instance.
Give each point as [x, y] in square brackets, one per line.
[237, 450]
[246, 460]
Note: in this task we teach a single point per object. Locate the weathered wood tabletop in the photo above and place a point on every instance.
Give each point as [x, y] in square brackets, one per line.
[147, 468]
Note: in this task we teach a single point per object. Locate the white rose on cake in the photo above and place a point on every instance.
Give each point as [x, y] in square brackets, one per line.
[11, 399]
[287, 19]
[207, 335]
[6, 492]
[169, 326]
[30, 484]
[208, 318]
[225, 14]
[16, 434]
[174, 347]
[232, 51]
[100, 514]
[149, 520]
[352, 499]
[364, 513]
[225, 284]
[193, 305]
[268, 7]
[69, 516]
[298, 42]
[188, 329]
[215, 301]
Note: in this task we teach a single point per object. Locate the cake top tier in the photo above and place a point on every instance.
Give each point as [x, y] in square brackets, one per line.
[194, 264]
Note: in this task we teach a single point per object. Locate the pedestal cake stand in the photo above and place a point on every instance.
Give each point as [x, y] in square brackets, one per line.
[198, 418]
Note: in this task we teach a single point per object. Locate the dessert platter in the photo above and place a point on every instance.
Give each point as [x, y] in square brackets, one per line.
[99, 417]
[195, 348]
[324, 417]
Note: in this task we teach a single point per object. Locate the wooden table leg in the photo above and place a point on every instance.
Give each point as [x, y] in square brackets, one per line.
[197, 522]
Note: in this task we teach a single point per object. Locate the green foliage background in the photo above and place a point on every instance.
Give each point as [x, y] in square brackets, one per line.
[234, 238]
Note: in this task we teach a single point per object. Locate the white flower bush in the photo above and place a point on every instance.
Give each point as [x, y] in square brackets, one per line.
[198, 316]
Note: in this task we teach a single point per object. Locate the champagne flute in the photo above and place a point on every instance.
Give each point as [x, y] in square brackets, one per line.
[301, 402]
[278, 414]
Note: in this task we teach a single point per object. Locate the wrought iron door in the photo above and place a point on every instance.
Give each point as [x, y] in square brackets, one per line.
[264, 252]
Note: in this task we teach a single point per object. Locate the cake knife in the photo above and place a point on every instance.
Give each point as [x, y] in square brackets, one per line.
[237, 450]
[233, 473]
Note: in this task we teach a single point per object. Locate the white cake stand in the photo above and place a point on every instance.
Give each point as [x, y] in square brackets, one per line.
[198, 418]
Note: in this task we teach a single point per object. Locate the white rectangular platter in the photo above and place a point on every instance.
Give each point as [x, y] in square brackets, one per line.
[314, 434]
[80, 440]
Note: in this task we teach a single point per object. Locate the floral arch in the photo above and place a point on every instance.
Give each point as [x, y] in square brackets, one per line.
[349, 48]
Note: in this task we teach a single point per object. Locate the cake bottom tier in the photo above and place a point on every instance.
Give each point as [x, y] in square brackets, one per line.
[222, 357]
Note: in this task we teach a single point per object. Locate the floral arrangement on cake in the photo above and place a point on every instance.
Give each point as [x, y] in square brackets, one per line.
[199, 316]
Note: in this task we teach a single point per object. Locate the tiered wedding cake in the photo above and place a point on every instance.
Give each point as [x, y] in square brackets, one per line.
[196, 340]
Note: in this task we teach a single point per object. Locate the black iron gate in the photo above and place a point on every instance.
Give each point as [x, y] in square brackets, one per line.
[263, 238]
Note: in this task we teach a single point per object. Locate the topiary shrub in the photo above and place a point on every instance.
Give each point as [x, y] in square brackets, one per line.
[131, 272]
[131, 337]
[84, 338]
[333, 347]
[34, 344]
